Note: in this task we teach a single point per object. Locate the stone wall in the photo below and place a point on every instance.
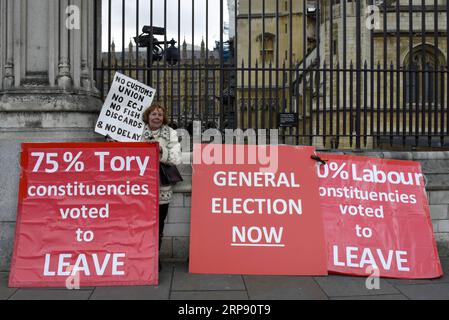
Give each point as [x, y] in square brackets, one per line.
[175, 244]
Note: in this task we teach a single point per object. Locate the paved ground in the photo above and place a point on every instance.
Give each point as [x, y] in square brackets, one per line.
[177, 284]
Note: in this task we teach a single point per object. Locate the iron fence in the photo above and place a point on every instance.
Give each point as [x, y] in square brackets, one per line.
[334, 74]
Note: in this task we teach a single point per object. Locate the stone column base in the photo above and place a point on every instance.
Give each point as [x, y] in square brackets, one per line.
[49, 100]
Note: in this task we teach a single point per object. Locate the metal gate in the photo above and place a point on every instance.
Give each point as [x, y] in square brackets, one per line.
[331, 73]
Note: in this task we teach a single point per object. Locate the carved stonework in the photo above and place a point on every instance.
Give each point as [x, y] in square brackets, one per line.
[50, 49]
[64, 78]
[8, 80]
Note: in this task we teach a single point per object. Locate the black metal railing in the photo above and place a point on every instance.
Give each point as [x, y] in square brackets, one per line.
[335, 73]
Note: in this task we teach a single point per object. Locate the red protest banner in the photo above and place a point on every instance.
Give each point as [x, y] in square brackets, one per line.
[87, 216]
[377, 218]
[255, 210]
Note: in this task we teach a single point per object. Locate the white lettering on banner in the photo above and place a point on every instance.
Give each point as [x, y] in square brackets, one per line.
[375, 175]
[65, 269]
[85, 213]
[362, 211]
[257, 237]
[101, 270]
[47, 272]
[255, 179]
[81, 266]
[353, 259]
[278, 207]
[63, 265]
[354, 193]
[116, 264]
[119, 164]
[335, 170]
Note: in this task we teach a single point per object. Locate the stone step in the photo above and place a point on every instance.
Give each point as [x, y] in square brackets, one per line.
[437, 182]
[435, 166]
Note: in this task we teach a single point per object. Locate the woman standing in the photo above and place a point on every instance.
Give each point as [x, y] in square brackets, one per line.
[157, 130]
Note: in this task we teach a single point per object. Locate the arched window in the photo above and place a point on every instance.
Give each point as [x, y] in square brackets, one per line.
[421, 80]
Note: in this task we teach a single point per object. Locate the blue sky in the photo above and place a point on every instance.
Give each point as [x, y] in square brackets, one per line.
[158, 20]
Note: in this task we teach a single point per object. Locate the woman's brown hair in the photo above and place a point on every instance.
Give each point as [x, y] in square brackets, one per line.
[154, 107]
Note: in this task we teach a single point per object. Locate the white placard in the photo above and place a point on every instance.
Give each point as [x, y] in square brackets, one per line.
[121, 116]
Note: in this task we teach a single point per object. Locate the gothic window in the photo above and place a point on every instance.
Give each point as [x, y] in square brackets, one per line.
[421, 80]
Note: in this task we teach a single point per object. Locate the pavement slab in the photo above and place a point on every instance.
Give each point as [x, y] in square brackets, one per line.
[437, 291]
[209, 295]
[342, 286]
[51, 294]
[283, 288]
[160, 292]
[131, 293]
[177, 284]
[183, 281]
[5, 292]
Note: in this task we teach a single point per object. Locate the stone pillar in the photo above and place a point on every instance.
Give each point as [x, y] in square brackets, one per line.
[46, 56]
[47, 87]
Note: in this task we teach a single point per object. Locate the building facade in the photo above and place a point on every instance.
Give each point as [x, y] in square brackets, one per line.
[269, 44]
[400, 51]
